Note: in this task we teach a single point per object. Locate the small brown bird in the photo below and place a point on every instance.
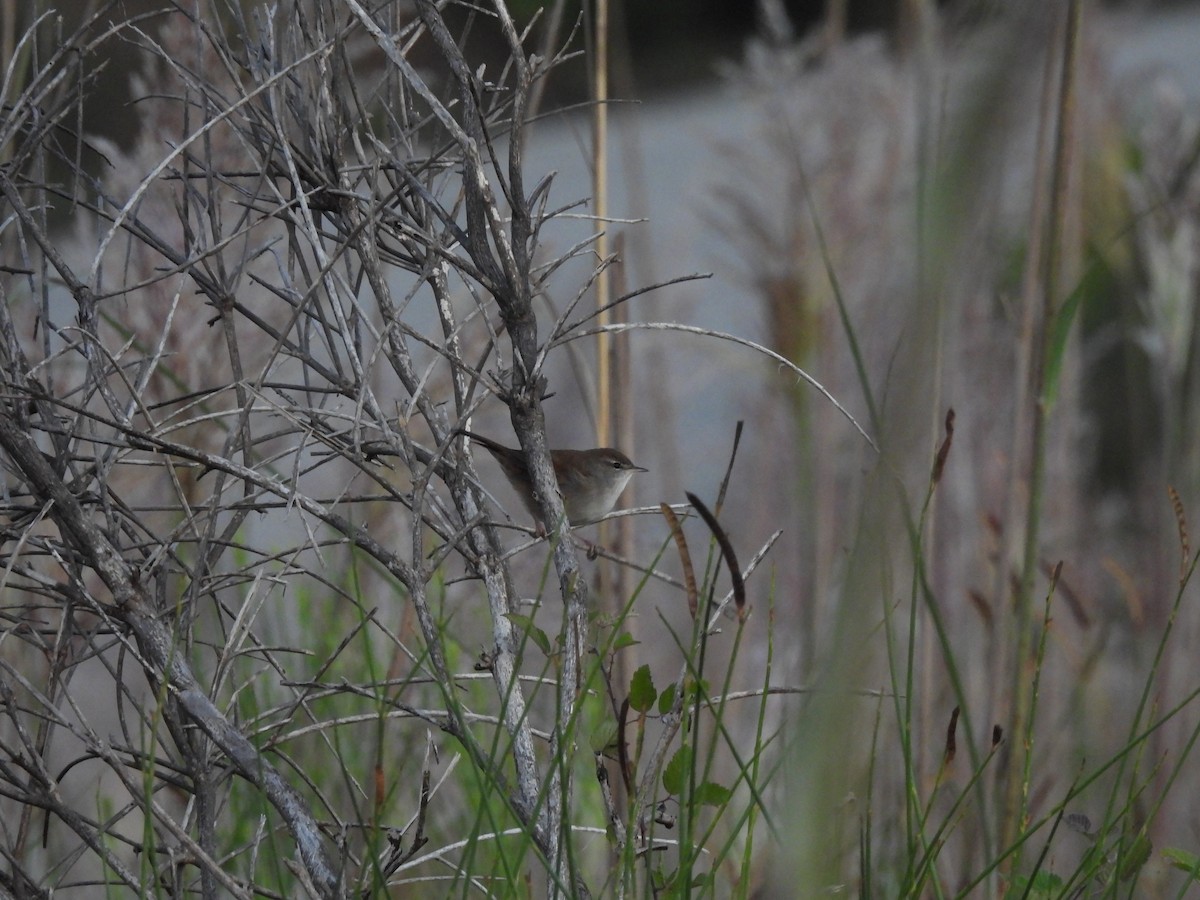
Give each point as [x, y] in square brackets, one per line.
[590, 480]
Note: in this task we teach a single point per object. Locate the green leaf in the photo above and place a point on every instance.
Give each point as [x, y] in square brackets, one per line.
[1135, 857]
[603, 736]
[1183, 859]
[666, 699]
[623, 640]
[712, 794]
[641, 690]
[675, 775]
[531, 631]
[1060, 330]
[1042, 884]
[660, 879]
[695, 688]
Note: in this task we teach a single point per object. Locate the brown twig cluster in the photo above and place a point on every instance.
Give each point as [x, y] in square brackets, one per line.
[247, 359]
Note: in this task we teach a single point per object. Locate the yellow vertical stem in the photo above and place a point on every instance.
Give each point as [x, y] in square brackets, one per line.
[600, 199]
[1017, 794]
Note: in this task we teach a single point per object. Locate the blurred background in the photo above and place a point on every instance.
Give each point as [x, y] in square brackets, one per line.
[863, 186]
[898, 156]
